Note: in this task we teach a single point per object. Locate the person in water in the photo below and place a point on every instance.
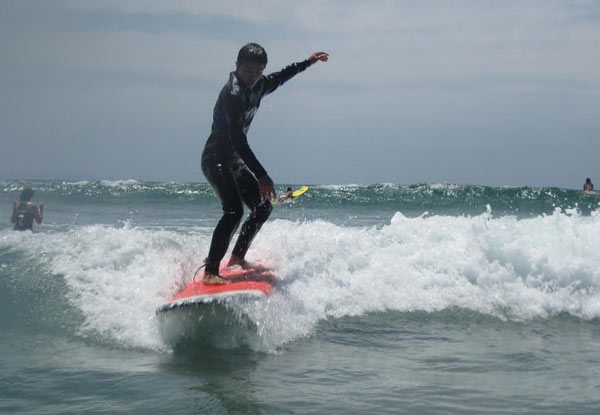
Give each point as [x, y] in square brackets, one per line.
[25, 211]
[588, 186]
[289, 194]
[228, 162]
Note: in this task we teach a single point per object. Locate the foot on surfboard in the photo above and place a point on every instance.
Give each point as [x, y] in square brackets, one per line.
[214, 279]
[246, 265]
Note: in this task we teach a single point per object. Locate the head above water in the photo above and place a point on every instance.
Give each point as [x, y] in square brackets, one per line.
[588, 180]
[26, 194]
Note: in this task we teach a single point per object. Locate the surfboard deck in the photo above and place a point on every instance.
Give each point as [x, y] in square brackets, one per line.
[246, 284]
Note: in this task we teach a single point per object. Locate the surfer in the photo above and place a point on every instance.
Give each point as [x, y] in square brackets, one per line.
[588, 186]
[228, 162]
[287, 196]
[25, 211]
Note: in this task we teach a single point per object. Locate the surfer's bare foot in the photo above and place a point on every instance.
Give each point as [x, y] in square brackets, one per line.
[237, 261]
[214, 279]
[246, 265]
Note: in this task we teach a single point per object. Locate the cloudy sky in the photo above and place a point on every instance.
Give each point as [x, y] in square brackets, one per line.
[483, 92]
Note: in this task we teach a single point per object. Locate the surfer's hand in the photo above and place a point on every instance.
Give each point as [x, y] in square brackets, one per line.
[266, 188]
[318, 56]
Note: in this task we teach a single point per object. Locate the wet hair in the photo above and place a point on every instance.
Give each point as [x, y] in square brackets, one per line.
[26, 194]
[588, 180]
[252, 52]
[289, 189]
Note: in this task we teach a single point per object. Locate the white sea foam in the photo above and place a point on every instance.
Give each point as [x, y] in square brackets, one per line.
[117, 183]
[116, 276]
[509, 268]
[340, 186]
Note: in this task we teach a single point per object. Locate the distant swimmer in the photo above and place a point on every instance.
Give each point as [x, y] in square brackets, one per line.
[25, 211]
[588, 186]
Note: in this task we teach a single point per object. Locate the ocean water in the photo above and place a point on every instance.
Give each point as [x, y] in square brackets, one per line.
[421, 299]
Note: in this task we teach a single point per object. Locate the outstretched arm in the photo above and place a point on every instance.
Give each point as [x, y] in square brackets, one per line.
[276, 79]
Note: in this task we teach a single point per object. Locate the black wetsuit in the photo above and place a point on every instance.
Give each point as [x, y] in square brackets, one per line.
[24, 218]
[231, 167]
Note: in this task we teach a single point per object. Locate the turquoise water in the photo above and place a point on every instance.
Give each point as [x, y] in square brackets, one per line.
[421, 299]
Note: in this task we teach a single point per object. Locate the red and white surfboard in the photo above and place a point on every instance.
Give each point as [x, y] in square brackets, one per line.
[245, 283]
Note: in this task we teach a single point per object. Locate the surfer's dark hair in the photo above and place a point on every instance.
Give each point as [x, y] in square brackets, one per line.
[252, 52]
[588, 180]
[26, 194]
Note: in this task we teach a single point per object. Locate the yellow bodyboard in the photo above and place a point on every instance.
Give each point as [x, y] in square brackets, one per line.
[300, 192]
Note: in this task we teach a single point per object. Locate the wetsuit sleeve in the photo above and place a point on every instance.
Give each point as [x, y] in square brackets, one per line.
[239, 141]
[276, 79]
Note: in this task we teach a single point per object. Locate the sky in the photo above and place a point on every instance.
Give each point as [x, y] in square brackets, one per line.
[500, 93]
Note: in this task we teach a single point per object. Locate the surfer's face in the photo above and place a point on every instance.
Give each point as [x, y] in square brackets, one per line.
[249, 72]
